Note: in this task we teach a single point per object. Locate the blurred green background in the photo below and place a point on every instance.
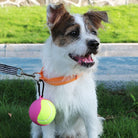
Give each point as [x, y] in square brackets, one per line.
[28, 24]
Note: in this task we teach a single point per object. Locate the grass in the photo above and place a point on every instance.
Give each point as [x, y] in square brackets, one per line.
[28, 24]
[23, 25]
[15, 99]
[118, 107]
[120, 111]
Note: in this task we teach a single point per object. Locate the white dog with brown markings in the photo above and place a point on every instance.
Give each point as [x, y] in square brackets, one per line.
[70, 52]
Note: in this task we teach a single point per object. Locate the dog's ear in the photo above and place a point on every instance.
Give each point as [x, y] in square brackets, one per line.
[95, 17]
[54, 14]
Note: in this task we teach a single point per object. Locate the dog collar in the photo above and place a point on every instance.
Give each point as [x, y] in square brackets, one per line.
[58, 80]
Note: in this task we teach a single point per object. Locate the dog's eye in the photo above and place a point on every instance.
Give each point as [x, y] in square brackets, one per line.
[74, 33]
[94, 32]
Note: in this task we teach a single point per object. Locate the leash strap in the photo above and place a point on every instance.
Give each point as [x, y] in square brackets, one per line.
[15, 71]
[40, 91]
[19, 72]
[8, 69]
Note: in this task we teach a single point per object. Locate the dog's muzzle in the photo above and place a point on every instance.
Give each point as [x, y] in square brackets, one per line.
[93, 46]
[87, 60]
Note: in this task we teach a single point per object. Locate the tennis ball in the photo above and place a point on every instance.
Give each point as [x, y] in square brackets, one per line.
[42, 111]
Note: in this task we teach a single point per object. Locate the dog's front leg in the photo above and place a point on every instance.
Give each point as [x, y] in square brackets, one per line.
[48, 131]
[91, 120]
[35, 131]
[91, 127]
[91, 124]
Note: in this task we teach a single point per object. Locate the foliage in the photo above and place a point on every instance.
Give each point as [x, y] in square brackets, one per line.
[120, 111]
[122, 25]
[28, 24]
[15, 99]
[23, 25]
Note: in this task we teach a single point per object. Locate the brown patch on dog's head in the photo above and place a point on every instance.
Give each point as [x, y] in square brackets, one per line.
[54, 13]
[93, 19]
[66, 32]
[61, 24]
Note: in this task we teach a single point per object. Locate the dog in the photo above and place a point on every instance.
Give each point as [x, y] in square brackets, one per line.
[71, 51]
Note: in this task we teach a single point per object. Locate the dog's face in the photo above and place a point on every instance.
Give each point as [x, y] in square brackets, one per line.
[75, 36]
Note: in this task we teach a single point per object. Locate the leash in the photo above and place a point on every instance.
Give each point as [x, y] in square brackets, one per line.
[8, 69]
[62, 80]
[15, 71]
[19, 73]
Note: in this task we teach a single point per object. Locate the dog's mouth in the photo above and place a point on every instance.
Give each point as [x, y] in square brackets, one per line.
[85, 61]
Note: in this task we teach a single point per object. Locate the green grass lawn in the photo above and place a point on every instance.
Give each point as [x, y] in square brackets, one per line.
[118, 107]
[28, 24]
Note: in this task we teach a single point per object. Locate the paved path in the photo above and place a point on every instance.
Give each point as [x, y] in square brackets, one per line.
[116, 61]
[33, 50]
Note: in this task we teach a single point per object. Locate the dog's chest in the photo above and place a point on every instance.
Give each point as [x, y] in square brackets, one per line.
[69, 98]
[64, 97]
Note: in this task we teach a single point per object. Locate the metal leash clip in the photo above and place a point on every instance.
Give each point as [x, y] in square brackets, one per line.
[21, 73]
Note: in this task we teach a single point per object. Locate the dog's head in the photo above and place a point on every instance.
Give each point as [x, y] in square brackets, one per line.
[75, 35]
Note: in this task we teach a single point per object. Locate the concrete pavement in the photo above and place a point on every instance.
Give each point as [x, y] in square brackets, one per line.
[33, 50]
[118, 62]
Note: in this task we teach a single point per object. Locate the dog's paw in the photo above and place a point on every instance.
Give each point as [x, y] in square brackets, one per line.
[100, 126]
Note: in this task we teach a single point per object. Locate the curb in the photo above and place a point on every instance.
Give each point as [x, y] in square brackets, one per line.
[111, 50]
[33, 50]
[20, 50]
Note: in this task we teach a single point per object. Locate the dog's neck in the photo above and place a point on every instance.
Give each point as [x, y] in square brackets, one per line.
[57, 81]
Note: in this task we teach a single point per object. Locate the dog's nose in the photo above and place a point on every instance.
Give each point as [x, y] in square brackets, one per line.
[92, 44]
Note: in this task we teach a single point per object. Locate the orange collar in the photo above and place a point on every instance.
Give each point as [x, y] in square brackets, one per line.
[58, 80]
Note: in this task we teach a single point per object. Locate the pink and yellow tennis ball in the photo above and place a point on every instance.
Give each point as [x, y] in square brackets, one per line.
[42, 111]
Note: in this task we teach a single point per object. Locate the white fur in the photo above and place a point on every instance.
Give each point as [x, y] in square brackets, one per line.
[76, 102]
